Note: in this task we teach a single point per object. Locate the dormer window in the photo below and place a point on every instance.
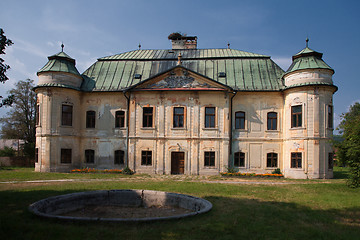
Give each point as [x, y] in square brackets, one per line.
[222, 74]
[137, 76]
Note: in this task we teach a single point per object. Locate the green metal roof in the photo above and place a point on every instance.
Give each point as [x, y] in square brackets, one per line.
[60, 62]
[56, 85]
[244, 71]
[307, 59]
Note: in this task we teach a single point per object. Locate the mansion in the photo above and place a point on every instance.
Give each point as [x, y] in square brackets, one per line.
[186, 110]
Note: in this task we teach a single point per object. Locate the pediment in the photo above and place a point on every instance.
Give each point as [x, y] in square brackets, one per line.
[180, 78]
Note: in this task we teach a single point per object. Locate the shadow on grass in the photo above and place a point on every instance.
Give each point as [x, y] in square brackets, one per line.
[230, 218]
[341, 173]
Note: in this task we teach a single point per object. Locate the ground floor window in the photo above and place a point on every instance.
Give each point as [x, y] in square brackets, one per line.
[65, 155]
[119, 157]
[272, 159]
[36, 155]
[146, 158]
[331, 160]
[209, 159]
[239, 159]
[296, 160]
[89, 156]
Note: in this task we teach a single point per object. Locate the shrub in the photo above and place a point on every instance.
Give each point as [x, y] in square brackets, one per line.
[7, 152]
[127, 171]
[276, 171]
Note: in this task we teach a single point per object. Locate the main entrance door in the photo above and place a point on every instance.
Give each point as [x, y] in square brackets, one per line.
[177, 162]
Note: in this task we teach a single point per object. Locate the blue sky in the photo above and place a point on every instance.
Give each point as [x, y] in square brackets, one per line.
[93, 29]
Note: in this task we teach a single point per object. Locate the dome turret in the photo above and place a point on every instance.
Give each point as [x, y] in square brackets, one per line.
[60, 71]
[308, 68]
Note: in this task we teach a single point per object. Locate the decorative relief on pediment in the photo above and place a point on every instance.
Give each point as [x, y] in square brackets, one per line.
[184, 81]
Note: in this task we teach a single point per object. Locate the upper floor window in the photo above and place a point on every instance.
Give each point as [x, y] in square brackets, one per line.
[209, 117]
[66, 115]
[296, 160]
[296, 116]
[330, 117]
[272, 160]
[89, 156]
[119, 119]
[240, 120]
[239, 159]
[148, 117]
[146, 158]
[209, 159]
[90, 119]
[37, 114]
[119, 157]
[178, 117]
[65, 155]
[272, 121]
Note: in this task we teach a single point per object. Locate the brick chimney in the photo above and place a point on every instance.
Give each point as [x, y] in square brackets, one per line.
[179, 41]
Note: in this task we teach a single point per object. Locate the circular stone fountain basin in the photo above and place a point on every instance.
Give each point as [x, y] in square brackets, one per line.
[120, 205]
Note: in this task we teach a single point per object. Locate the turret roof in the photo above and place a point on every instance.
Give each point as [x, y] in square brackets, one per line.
[60, 62]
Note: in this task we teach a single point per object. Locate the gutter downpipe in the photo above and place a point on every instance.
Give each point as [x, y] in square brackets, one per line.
[127, 128]
[230, 129]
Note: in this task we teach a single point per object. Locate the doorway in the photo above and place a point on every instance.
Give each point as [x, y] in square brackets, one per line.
[177, 162]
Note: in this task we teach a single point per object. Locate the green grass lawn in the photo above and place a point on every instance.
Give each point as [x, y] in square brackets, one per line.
[300, 210]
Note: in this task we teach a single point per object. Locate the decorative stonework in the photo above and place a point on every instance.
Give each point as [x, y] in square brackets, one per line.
[184, 81]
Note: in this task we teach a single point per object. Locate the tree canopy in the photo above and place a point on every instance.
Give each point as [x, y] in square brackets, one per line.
[19, 122]
[348, 150]
[4, 42]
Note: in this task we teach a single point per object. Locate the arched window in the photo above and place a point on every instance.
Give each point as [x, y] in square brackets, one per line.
[90, 119]
[272, 121]
[272, 160]
[240, 120]
[239, 159]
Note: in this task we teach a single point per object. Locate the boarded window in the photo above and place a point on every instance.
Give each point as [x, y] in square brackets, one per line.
[296, 160]
[119, 157]
[272, 121]
[65, 155]
[66, 115]
[240, 120]
[146, 158]
[209, 159]
[147, 117]
[239, 159]
[272, 160]
[209, 117]
[89, 156]
[178, 117]
[119, 119]
[90, 119]
[296, 116]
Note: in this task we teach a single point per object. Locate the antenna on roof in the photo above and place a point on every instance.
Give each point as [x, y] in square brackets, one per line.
[62, 46]
[307, 41]
[139, 46]
[228, 45]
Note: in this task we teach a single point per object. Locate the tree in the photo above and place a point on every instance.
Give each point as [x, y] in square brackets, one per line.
[19, 122]
[349, 148]
[4, 42]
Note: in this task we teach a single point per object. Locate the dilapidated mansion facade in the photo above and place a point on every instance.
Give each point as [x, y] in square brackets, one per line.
[187, 111]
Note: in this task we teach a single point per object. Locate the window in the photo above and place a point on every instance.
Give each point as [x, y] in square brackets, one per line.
[119, 119]
[209, 159]
[90, 119]
[296, 160]
[119, 157]
[89, 156]
[147, 117]
[66, 115]
[240, 120]
[37, 115]
[146, 158]
[209, 117]
[178, 117]
[331, 160]
[65, 155]
[272, 121]
[272, 159]
[296, 116]
[239, 159]
[330, 117]
[36, 155]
